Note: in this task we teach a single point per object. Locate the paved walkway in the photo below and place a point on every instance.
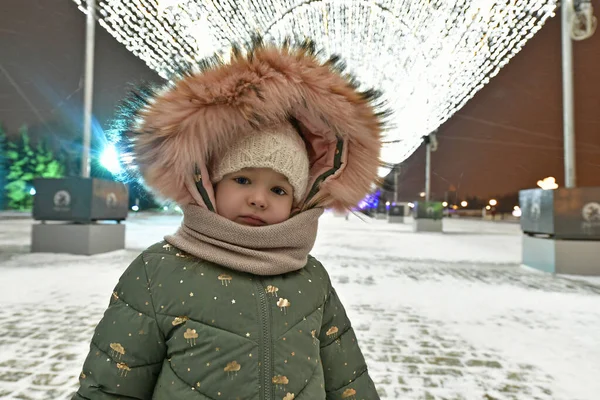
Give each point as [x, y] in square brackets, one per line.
[414, 356]
[428, 329]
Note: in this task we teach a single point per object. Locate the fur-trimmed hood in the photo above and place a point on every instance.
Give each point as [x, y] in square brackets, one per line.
[174, 132]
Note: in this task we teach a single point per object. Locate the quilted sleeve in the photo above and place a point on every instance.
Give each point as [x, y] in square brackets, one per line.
[128, 348]
[346, 375]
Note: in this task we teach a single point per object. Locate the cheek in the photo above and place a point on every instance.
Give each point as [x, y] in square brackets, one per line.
[225, 200]
[284, 208]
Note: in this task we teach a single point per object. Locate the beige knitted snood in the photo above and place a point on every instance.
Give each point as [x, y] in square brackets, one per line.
[264, 250]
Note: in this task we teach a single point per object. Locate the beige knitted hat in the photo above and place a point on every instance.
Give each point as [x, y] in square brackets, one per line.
[281, 149]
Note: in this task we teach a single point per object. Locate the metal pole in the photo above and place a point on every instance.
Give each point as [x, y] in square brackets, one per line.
[428, 171]
[89, 87]
[396, 186]
[568, 104]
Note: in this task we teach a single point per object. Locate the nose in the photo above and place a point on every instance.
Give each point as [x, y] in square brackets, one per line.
[258, 200]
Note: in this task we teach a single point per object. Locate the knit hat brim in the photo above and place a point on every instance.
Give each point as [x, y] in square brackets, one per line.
[279, 148]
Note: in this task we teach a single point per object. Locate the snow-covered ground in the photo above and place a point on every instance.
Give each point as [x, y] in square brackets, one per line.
[438, 316]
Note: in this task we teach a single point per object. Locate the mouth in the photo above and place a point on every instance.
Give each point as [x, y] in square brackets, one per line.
[251, 220]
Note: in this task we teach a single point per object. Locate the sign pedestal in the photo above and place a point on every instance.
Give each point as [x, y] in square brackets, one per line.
[79, 203]
[381, 211]
[428, 216]
[81, 239]
[572, 257]
[396, 214]
[393, 219]
[561, 230]
[427, 225]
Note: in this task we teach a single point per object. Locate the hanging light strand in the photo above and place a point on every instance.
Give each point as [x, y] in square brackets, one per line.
[430, 58]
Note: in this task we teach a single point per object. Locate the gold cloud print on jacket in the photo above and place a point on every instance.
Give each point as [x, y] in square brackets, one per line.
[272, 290]
[117, 351]
[190, 336]
[283, 304]
[232, 368]
[313, 334]
[123, 368]
[349, 394]
[179, 320]
[225, 279]
[280, 381]
[332, 331]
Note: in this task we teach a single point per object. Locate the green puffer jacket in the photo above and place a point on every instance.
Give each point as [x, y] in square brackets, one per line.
[178, 327]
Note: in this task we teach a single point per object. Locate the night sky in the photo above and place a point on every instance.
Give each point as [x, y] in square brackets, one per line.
[42, 46]
[505, 139]
[510, 134]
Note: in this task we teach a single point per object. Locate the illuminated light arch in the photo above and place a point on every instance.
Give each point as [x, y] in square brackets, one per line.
[428, 57]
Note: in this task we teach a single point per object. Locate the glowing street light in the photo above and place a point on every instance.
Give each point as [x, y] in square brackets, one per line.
[488, 208]
[110, 159]
[548, 183]
[464, 203]
[422, 194]
[445, 204]
[493, 202]
[517, 211]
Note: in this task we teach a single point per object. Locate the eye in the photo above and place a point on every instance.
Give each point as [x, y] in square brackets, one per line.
[242, 180]
[279, 191]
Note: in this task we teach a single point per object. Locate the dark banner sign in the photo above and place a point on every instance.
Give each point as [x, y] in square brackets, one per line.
[79, 199]
[562, 213]
[397, 211]
[428, 210]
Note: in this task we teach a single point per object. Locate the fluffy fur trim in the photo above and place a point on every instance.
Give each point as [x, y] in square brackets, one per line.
[172, 133]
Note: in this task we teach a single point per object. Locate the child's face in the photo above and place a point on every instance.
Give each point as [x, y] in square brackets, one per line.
[254, 196]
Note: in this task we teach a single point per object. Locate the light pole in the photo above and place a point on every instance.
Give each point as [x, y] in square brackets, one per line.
[427, 168]
[567, 86]
[396, 175]
[88, 88]
[430, 145]
[577, 22]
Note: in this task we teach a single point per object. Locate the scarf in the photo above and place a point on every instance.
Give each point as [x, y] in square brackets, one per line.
[263, 250]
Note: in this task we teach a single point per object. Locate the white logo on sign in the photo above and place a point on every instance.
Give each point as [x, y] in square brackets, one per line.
[62, 199]
[591, 212]
[111, 200]
[535, 209]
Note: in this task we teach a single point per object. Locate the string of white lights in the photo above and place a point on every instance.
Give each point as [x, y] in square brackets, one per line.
[429, 57]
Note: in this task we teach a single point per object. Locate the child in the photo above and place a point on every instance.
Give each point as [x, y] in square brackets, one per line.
[232, 306]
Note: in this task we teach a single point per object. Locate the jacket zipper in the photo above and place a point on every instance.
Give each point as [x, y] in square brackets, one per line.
[265, 349]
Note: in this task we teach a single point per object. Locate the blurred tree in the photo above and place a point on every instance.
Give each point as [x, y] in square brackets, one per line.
[3, 165]
[25, 163]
